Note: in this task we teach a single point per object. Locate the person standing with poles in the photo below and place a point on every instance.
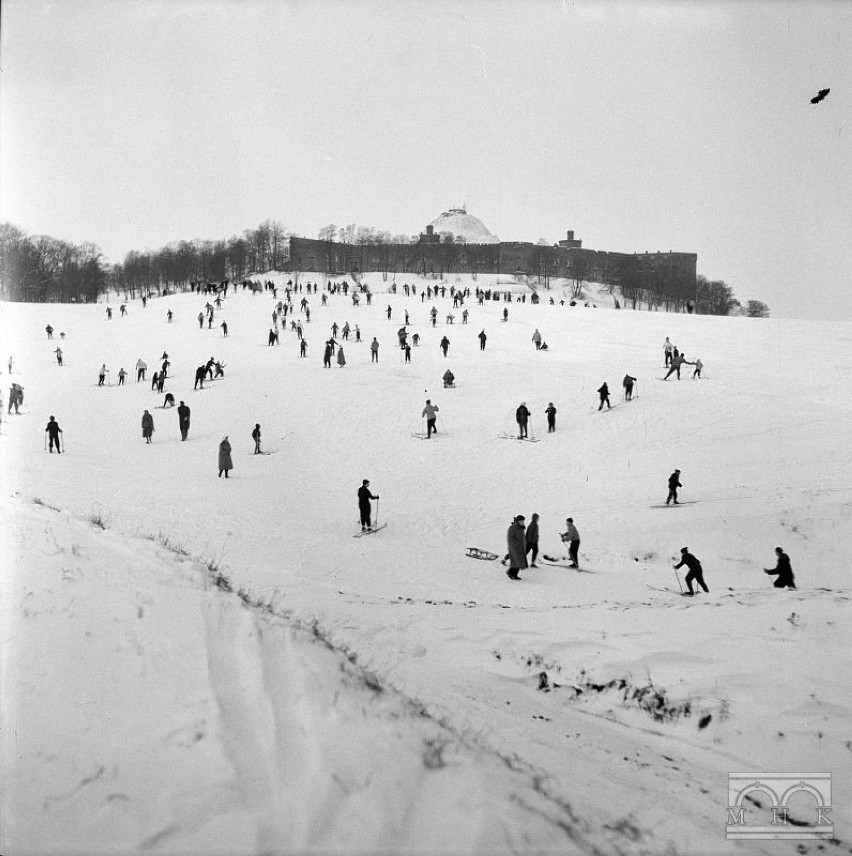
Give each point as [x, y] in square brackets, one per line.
[572, 537]
[364, 507]
[52, 431]
[695, 571]
[522, 416]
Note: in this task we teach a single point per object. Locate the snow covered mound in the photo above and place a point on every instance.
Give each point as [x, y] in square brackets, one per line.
[447, 709]
[464, 225]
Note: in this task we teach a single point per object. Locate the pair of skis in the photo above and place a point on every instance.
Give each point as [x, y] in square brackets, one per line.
[371, 531]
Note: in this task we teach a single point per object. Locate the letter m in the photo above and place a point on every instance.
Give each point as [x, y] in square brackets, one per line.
[736, 815]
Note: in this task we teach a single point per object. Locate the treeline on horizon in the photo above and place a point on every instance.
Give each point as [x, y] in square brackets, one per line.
[43, 269]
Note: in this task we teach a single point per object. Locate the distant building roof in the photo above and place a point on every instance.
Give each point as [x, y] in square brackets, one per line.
[464, 225]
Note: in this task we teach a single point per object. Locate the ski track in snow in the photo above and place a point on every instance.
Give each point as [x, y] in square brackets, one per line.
[297, 749]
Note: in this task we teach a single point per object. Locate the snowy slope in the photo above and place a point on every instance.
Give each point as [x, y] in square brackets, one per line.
[619, 731]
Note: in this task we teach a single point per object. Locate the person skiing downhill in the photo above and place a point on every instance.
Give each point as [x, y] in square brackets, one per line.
[674, 484]
[364, 507]
[695, 570]
[783, 570]
[429, 412]
[53, 431]
[603, 392]
[522, 416]
[517, 547]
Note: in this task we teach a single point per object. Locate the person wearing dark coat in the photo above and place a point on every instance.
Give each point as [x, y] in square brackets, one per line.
[517, 547]
[169, 401]
[522, 416]
[255, 435]
[200, 374]
[53, 432]
[147, 426]
[531, 540]
[603, 392]
[445, 344]
[783, 570]
[449, 378]
[482, 340]
[364, 507]
[225, 462]
[183, 420]
[695, 570]
[550, 410]
[674, 484]
[627, 383]
[326, 357]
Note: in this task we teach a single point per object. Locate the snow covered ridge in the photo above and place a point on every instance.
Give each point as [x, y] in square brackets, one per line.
[150, 713]
[575, 761]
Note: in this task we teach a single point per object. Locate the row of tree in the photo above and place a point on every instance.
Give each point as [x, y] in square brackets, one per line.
[38, 268]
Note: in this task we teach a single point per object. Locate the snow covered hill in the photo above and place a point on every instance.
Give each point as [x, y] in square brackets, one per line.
[387, 693]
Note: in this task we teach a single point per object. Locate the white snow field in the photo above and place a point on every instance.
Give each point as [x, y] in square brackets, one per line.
[388, 694]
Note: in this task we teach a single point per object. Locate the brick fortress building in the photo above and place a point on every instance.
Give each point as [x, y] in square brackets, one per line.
[458, 242]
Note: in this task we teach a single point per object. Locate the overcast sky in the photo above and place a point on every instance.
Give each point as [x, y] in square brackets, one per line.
[659, 126]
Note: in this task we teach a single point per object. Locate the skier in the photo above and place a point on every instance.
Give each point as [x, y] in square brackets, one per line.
[627, 383]
[53, 431]
[357, 333]
[122, 374]
[326, 357]
[677, 361]
[449, 378]
[102, 375]
[698, 366]
[16, 397]
[522, 416]
[341, 360]
[603, 391]
[407, 352]
[169, 315]
[255, 435]
[374, 349]
[58, 353]
[147, 426]
[482, 339]
[225, 463]
[445, 344]
[389, 312]
[516, 545]
[550, 410]
[169, 401]
[572, 538]
[674, 484]
[123, 309]
[782, 570]
[155, 382]
[531, 540]
[49, 331]
[141, 368]
[667, 349]
[464, 316]
[536, 337]
[364, 507]
[183, 420]
[695, 570]
[200, 373]
[429, 412]
[303, 348]
[224, 326]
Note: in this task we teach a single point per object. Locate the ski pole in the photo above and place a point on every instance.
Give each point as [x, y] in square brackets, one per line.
[678, 580]
[45, 441]
[377, 512]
